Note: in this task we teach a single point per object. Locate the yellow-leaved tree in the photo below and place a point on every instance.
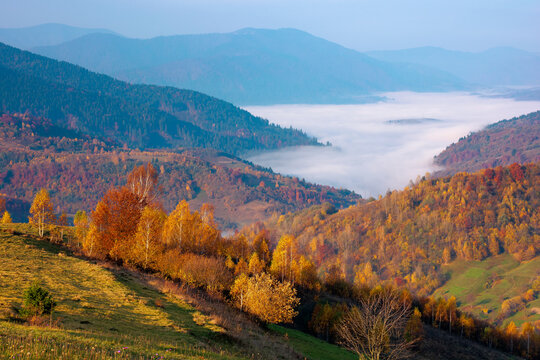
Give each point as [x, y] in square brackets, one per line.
[270, 300]
[6, 218]
[42, 211]
[284, 258]
[81, 225]
[176, 229]
[148, 236]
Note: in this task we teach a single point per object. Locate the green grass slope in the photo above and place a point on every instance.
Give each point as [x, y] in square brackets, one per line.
[481, 287]
[103, 311]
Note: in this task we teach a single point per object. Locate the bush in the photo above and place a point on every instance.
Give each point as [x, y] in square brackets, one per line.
[37, 301]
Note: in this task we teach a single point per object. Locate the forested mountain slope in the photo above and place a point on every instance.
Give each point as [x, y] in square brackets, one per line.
[251, 66]
[79, 169]
[407, 236]
[499, 144]
[136, 115]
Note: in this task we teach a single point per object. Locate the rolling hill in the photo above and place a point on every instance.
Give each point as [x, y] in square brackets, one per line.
[499, 144]
[78, 169]
[251, 66]
[493, 67]
[446, 236]
[140, 116]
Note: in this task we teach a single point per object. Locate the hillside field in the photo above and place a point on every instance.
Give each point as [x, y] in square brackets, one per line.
[480, 287]
[105, 312]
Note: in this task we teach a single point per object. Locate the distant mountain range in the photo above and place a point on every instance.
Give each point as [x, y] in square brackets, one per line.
[139, 116]
[251, 66]
[45, 35]
[499, 144]
[493, 67]
[260, 66]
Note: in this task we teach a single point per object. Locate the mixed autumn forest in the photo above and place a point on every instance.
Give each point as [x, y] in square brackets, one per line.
[132, 228]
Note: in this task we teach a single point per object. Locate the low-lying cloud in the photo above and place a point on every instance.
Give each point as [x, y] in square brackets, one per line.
[373, 149]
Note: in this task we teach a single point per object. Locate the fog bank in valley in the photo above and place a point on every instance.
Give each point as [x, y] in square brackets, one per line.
[381, 146]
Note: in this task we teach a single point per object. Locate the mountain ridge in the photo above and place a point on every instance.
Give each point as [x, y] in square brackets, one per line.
[251, 66]
[497, 66]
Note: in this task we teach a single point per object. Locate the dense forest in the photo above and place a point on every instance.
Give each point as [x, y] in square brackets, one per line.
[78, 170]
[405, 237]
[140, 116]
[499, 144]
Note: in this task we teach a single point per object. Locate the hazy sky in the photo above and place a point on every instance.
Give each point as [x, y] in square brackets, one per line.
[359, 24]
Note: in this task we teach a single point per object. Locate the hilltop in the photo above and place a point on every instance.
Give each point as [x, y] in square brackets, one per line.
[139, 116]
[499, 144]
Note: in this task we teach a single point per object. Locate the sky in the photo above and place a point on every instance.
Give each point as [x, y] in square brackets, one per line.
[372, 155]
[469, 25]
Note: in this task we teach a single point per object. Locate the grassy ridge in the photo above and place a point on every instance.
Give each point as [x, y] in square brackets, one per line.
[480, 287]
[102, 309]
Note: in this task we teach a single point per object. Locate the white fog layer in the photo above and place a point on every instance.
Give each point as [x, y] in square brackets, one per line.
[380, 146]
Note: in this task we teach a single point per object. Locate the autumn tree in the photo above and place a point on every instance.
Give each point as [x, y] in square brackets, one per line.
[81, 223]
[177, 226]
[143, 182]
[324, 319]
[365, 276]
[42, 211]
[114, 223]
[62, 222]
[414, 329]
[255, 266]
[284, 257]
[265, 297]
[6, 218]
[527, 332]
[375, 329]
[511, 332]
[260, 245]
[148, 236]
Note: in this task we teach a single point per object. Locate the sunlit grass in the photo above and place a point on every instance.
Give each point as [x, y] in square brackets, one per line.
[311, 347]
[102, 313]
[480, 287]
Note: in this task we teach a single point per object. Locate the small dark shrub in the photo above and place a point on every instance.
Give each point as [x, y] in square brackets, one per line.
[37, 301]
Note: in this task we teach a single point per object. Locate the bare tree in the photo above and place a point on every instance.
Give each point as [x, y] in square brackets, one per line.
[375, 329]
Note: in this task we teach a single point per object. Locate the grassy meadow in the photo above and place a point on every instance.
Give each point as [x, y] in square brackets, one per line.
[480, 287]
